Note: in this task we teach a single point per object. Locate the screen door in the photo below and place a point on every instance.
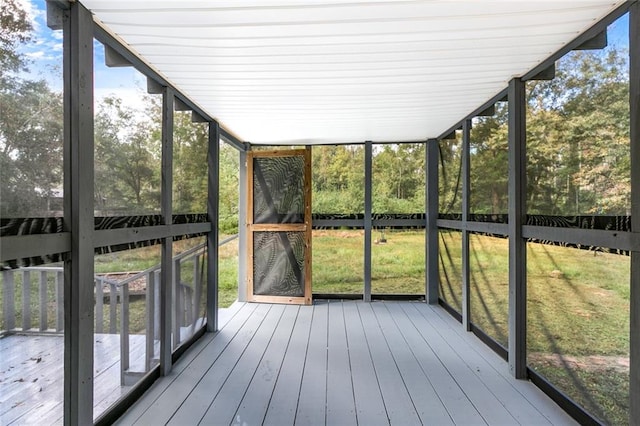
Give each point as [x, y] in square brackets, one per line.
[279, 226]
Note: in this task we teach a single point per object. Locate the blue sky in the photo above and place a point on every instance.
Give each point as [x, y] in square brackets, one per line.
[45, 55]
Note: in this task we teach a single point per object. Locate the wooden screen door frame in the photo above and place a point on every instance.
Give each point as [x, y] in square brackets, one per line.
[280, 227]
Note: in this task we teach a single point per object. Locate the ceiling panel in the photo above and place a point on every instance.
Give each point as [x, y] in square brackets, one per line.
[306, 72]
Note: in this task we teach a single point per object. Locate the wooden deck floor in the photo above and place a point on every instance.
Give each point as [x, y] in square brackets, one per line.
[342, 363]
[32, 373]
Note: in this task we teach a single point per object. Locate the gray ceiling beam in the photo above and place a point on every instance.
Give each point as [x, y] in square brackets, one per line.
[546, 74]
[113, 59]
[597, 42]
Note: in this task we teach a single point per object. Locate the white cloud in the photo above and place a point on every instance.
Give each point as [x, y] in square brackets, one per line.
[38, 54]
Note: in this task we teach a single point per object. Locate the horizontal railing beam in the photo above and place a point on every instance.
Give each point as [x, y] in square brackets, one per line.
[482, 227]
[586, 237]
[109, 237]
[23, 246]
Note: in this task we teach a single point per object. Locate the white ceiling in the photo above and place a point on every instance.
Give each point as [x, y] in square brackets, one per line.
[333, 71]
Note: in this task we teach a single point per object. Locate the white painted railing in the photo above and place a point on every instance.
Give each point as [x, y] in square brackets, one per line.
[50, 284]
[114, 296]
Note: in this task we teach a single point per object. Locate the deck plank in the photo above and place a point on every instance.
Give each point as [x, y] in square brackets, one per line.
[255, 402]
[517, 406]
[341, 407]
[520, 389]
[338, 362]
[370, 407]
[429, 406]
[224, 405]
[283, 404]
[34, 395]
[201, 391]
[452, 396]
[400, 408]
[488, 406]
[237, 315]
[312, 399]
[24, 378]
[168, 393]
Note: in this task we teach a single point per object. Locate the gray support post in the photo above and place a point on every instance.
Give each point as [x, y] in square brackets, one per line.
[44, 323]
[166, 274]
[176, 303]
[26, 300]
[466, 182]
[431, 231]
[78, 215]
[212, 237]
[634, 101]
[368, 171]
[517, 217]
[242, 228]
[8, 300]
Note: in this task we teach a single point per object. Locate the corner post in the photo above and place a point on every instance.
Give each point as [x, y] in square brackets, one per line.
[368, 171]
[517, 217]
[466, 182]
[634, 104]
[213, 166]
[166, 274]
[242, 226]
[78, 215]
[431, 232]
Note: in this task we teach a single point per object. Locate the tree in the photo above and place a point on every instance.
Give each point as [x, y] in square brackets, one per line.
[15, 29]
[577, 143]
[399, 179]
[30, 147]
[450, 175]
[30, 125]
[229, 196]
[578, 136]
[489, 163]
[127, 160]
[190, 147]
[338, 177]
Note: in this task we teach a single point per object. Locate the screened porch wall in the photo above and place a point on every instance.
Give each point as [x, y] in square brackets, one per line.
[79, 238]
[565, 260]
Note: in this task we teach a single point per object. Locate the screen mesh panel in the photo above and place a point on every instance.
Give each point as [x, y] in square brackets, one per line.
[278, 195]
[278, 263]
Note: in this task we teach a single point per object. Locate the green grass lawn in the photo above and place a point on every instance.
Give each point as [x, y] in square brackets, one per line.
[397, 266]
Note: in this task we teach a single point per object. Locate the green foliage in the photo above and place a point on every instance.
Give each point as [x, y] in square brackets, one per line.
[399, 179]
[489, 163]
[338, 179]
[578, 137]
[30, 147]
[127, 160]
[15, 29]
[30, 126]
[577, 144]
[450, 175]
[190, 146]
[228, 195]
